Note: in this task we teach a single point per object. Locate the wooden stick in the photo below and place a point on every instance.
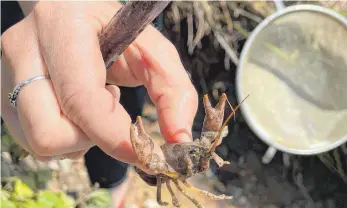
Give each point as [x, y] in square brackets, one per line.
[126, 25]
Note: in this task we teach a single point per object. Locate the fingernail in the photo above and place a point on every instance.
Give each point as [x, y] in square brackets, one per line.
[183, 137]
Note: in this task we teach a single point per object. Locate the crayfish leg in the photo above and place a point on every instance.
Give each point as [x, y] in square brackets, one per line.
[195, 202]
[159, 200]
[206, 193]
[220, 162]
[175, 201]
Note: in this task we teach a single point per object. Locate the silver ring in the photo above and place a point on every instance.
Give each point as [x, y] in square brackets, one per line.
[13, 96]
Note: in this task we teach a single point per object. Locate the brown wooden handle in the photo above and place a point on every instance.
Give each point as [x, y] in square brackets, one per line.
[126, 25]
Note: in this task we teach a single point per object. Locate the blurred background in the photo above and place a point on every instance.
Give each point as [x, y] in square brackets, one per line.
[209, 37]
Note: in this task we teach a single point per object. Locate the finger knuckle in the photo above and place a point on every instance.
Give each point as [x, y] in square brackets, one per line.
[9, 37]
[6, 39]
[40, 10]
[42, 140]
[73, 104]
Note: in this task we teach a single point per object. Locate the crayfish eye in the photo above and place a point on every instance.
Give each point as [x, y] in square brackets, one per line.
[193, 152]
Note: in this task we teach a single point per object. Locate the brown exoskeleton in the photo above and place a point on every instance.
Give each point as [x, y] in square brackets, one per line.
[182, 160]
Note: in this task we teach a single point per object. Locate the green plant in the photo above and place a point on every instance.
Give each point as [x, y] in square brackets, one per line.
[16, 194]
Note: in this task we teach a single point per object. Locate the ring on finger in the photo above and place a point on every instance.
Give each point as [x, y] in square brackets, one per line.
[13, 96]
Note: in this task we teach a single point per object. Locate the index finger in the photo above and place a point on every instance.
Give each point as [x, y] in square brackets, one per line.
[155, 62]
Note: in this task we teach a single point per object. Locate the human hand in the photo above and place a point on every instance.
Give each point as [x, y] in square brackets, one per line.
[74, 111]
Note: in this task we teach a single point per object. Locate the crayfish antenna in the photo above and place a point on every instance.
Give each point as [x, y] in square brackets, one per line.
[218, 137]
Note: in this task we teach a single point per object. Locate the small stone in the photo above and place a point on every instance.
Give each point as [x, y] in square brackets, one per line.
[41, 165]
[30, 163]
[53, 165]
[65, 165]
[6, 157]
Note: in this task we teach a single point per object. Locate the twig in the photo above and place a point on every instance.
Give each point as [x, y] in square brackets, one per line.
[201, 28]
[199, 68]
[226, 62]
[330, 165]
[208, 13]
[217, 33]
[298, 179]
[340, 170]
[218, 86]
[227, 48]
[190, 30]
[176, 17]
[303, 189]
[344, 148]
[241, 30]
[239, 11]
[126, 25]
[262, 7]
[227, 15]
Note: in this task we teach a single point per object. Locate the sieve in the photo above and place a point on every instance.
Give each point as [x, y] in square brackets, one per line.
[294, 66]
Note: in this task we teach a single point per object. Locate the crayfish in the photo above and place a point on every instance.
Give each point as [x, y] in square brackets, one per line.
[182, 160]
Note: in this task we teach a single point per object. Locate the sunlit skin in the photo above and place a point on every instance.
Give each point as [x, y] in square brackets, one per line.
[73, 111]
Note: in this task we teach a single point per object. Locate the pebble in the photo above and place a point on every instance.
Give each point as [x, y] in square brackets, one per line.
[41, 165]
[65, 165]
[53, 165]
[29, 162]
[6, 156]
